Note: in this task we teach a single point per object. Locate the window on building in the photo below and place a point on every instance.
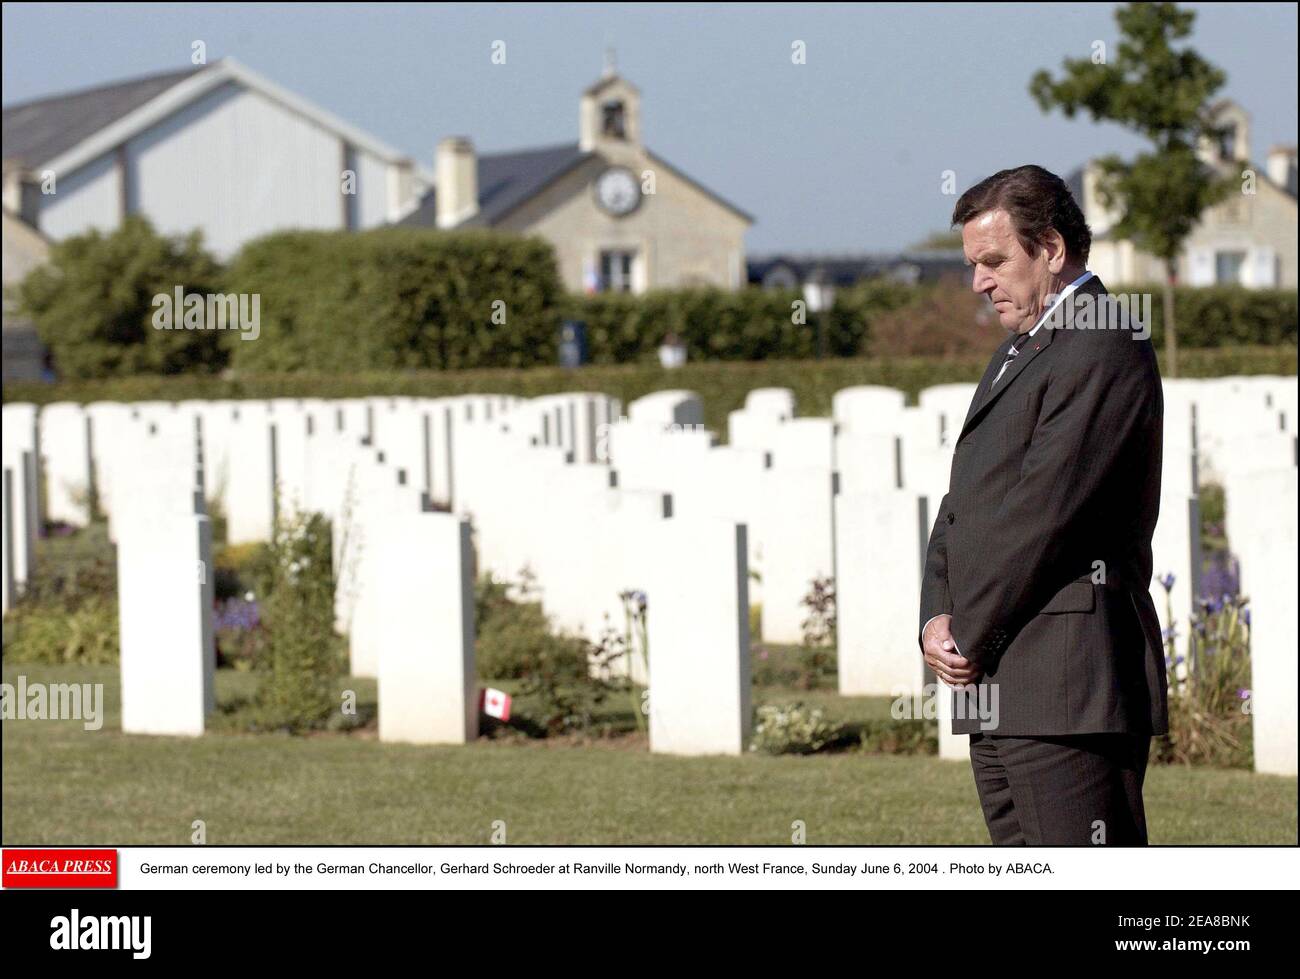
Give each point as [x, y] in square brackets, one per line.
[1228, 143]
[613, 120]
[1229, 212]
[616, 271]
[1228, 267]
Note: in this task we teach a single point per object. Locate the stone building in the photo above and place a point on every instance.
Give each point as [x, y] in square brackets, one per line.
[1248, 239]
[619, 217]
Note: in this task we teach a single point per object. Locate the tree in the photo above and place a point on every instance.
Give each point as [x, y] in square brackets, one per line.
[1163, 93]
[939, 241]
[93, 303]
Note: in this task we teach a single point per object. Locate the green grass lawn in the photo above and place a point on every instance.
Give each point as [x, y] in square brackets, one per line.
[65, 785]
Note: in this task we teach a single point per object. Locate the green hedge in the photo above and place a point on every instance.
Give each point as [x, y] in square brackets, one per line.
[397, 298]
[92, 303]
[722, 384]
[718, 324]
[757, 324]
[1224, 316]
[407, 298]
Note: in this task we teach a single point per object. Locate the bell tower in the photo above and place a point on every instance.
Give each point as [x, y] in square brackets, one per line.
[609, 113]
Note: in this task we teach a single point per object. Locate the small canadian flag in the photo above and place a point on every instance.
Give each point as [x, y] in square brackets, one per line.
[495, 703]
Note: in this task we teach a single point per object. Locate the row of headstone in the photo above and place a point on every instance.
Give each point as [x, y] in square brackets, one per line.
[584, 497]
[412, 622]
[1257, 469]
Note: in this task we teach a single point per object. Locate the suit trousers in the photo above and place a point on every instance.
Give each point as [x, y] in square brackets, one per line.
[1072, 790]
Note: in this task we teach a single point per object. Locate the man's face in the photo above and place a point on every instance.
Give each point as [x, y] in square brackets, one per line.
[1017, 283]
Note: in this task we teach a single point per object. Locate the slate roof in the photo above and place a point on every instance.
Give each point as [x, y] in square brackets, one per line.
[40, 130]
[506, 180]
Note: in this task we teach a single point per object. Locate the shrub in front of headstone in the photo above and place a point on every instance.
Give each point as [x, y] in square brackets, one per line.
[792, 728]
[818, 651]
[302, 655]
[43, 633]
[555, 692]
[67, 612]
[72, 566]
[241, 640]
[243, 570]
[614, 655]
[891, 736]
[1210, 697]
[511, 637]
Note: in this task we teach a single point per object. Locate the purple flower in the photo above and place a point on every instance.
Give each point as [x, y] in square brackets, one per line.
[1167, 581]
[1170, 633]
[1243, 694]
[1245, 616]
[1220, 578]
[235, 613]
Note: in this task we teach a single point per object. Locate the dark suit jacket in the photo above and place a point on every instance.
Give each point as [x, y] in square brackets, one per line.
[1057, 468]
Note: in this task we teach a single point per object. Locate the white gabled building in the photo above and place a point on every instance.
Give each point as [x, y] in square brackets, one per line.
[1248, 239]
[218, 148]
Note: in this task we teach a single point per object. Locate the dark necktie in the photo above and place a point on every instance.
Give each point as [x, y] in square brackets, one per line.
[1016, 344]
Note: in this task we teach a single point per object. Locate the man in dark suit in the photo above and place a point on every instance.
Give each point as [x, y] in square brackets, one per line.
[1035, 596]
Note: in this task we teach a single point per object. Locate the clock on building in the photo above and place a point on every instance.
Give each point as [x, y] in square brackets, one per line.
[617, 191]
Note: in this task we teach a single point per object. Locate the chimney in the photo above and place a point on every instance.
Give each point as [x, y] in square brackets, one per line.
[1282, 167]
[456, 173]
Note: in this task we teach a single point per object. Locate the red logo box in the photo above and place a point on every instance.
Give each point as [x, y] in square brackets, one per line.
[60, 868]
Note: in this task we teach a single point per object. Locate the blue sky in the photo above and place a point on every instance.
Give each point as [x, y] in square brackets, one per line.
[841, 154]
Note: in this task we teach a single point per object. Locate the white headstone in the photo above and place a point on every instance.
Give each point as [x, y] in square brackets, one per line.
[867, 408]
[165, 599]
[682, 408]
[65, 449]
[798, 547]
[1265, 540]
[775, 403]
[251, 496]
[879, 551]
[427, 682]
[21, 437]
[19, 526]
[698, 625]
